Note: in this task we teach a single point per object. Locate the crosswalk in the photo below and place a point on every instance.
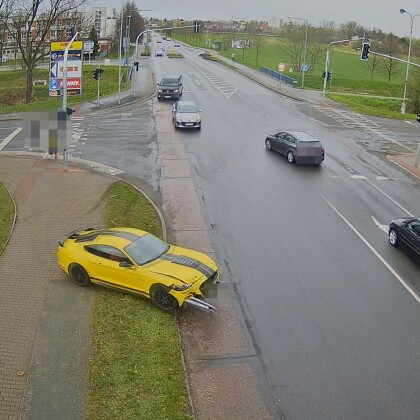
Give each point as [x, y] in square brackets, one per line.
[79, 135]
[227, 89]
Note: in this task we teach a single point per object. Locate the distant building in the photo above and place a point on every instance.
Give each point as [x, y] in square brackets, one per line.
[275, 22]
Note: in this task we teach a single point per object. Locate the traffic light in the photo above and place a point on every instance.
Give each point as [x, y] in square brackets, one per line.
[329, 75]
[324, 74]
[136, 65]
[196, 26]
[418, 118]
[97, 73]
[365, 51]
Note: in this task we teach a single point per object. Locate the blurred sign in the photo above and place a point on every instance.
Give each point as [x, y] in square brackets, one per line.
[281, 66]
[240, 43]
[304, 67]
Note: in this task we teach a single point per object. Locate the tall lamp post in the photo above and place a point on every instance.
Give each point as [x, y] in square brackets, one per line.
[305, 47]
[403, 105]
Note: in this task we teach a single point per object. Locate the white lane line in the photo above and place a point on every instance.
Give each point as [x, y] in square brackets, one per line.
[381, 259]
[384, 228]
[11, 136]
[390, 198]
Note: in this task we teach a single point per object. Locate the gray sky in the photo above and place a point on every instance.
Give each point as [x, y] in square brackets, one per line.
[381, 14]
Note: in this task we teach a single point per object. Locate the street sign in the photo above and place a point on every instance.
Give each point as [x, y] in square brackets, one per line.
[281, 66]
[304, 67]
[73, 68]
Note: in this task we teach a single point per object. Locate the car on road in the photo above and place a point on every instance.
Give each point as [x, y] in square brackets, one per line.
[176, 45]
[297, 146]
[160, 52]
[185, 114]
[170, 87]
[135, 261]
[159, 41]
[406, 234]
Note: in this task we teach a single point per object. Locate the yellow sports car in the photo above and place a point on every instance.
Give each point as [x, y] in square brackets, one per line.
[136, 261]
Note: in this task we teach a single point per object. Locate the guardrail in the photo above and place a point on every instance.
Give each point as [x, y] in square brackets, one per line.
[279, 76]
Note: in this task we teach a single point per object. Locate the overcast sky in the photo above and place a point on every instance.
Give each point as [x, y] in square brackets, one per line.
[381, 14]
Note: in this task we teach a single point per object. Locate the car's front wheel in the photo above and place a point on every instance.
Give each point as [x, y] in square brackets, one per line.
[164, 300]
[393, 237]
[290, 157]
[79, 275]
[268, 145]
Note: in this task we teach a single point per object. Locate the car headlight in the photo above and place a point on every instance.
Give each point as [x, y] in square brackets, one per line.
[160, 90]
[181, 287]
[176, 90]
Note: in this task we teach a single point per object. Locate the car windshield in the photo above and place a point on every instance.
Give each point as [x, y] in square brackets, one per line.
[187, 108]
[169, 82]
[146, 249]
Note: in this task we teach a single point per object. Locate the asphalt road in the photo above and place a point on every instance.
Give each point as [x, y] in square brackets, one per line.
[307, 247]
[330, 304]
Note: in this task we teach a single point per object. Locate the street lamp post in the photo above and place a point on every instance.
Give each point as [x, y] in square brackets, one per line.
[403, 105]
[305, 46]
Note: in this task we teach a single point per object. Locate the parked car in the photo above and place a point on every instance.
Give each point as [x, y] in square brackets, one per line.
[185, 114]
[159, 41]
[297, 146]
[135, 261]
[170, 87]
[406, 234]
[160, 52]
[176, 45]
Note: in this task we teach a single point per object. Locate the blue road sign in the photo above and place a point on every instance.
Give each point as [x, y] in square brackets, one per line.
[53, 83]
[304, 67]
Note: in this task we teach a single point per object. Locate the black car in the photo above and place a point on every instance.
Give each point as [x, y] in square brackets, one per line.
[297, 146]
[170, 87]
[406, 233]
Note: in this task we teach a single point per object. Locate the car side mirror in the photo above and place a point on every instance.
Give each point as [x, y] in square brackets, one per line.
[125, 264]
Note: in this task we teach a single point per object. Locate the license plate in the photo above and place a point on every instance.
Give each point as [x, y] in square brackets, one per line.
[167, 96]
[189, 124]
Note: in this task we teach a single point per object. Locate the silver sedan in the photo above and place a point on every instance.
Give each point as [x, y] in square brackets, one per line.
[185, 114]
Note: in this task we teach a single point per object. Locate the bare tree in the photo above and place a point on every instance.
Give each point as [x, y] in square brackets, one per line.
[350, 29]
[374, 64]
[413, 92]
[30, 24]
[390, 46]
[132, 20]
[258, 41]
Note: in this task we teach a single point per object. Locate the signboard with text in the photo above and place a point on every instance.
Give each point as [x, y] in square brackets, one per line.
[73, 68]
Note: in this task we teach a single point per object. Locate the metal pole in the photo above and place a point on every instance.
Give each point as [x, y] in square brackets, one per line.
[327, 58]
[304, 51]
[99, 77]
[403, 105]
[417, 155]
[119, 59]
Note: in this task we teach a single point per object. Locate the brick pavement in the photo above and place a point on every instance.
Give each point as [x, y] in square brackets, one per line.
[50, 203]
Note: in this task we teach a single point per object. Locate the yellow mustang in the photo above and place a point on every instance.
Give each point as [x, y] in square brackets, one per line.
[136, 261]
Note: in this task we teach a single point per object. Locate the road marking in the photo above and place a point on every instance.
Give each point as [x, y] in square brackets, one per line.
[381, 259]
[384, 228]
[10, 137]
[390, 198]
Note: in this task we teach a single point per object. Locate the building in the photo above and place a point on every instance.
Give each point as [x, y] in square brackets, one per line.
[275, 22]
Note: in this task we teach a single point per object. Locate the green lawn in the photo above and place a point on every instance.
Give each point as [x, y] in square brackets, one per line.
[350, 74]
[135, 363]
[7, 214]
[13, 89]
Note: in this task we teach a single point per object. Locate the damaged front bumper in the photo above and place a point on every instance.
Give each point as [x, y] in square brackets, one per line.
[200, 304]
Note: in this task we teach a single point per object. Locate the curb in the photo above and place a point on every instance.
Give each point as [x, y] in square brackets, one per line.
[393, 160]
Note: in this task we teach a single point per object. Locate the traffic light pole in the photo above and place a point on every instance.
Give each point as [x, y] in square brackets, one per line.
[327, 63]
[99, 78]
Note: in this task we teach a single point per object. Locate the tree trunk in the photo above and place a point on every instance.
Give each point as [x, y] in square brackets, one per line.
[29, 79]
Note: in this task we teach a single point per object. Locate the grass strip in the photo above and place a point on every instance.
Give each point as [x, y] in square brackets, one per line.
[135, 364]
[7, 214]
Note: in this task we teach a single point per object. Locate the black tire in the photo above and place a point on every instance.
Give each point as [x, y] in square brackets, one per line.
[164, 300]
[268, 145]
[393, 237]
[290, 157]
[159, 99]
[79, 275]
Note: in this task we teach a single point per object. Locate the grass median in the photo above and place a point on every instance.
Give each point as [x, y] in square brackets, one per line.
[7, 214]
[135, 363]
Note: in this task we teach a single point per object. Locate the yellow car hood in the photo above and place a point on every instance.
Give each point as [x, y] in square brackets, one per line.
[181, 264]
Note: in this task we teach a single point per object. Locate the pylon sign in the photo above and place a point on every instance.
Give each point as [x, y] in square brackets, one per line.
[73, 68]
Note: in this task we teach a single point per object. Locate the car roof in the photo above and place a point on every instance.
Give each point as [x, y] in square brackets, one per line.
[114, 236]
[186, 103]
[303, 135]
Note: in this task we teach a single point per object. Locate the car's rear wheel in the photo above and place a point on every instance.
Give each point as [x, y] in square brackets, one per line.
[79, 275]
[268, 145]
[164, 300]
[393, 237]
[290, 157]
